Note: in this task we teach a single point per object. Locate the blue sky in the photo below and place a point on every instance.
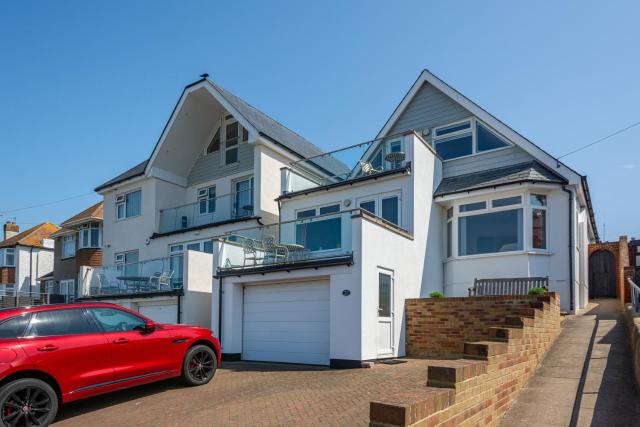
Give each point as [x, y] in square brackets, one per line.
[86, 87]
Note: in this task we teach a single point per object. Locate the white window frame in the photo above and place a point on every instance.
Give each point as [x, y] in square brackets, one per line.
[527, 224]
[121, 200]
[4, 255]
[48, 287]
[378, 198]
[449, 223]
[473, 123]
[69, 284]
[65, 240]
[544, 208]
[324, 216]
[204, 194]
[84, 235]
[225, 149]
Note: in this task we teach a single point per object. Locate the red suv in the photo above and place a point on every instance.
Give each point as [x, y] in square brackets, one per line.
[60, 353]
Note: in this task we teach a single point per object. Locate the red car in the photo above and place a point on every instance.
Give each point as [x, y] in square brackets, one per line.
[60, 353]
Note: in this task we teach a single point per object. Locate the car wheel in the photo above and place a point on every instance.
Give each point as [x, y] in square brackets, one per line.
[199, 365]
[28, 402]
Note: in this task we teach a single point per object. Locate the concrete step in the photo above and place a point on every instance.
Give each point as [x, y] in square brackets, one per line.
[484, 349]
[501, 333]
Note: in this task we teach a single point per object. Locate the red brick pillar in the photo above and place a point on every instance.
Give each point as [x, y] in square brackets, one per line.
[623, 263]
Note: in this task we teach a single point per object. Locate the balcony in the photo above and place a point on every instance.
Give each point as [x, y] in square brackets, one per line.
[315, 241]
[207, 212]
[156, 276]
[368, 160]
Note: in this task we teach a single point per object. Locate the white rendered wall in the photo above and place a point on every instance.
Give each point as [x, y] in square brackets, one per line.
[198, 277]
[32, 263]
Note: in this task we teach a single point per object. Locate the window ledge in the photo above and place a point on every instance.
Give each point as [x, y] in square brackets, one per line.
[498, 254]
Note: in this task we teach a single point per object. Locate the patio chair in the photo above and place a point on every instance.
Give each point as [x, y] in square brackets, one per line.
[367, 167]
[162, 280]
[250, 252]
[274, 251]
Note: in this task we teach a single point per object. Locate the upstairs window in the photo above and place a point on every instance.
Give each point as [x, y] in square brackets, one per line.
[231, 143]
[214, 145]
[90, 235]
[68, 246]
[538, 221]
[319, 234]
[465, 138]
[7, 257]
[129, 205]
[207, 200]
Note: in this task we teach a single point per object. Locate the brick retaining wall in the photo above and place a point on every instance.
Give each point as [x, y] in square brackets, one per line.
[474, 390]
[440, 326]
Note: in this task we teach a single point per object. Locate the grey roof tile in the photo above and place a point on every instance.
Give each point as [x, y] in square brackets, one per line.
[522, 172]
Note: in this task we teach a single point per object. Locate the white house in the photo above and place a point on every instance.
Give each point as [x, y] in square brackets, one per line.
[24, 257]
[215, 168]
[444, 195]
[291, 254]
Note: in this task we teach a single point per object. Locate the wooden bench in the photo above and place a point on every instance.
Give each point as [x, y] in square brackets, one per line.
[507, 286]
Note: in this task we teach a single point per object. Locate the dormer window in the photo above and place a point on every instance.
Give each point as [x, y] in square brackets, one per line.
[465, 138]
[226, 140]
[231, 142]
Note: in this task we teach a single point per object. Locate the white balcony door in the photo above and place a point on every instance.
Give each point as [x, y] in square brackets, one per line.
[385, 313]
[244, 197]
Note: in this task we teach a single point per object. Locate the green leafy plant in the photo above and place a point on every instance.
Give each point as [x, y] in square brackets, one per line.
[537, 291]
[436, 294]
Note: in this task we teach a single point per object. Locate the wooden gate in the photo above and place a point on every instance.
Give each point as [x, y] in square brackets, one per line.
[602, 274]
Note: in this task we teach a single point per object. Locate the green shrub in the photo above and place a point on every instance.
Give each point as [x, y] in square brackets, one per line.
[537, 291]
[436, 294]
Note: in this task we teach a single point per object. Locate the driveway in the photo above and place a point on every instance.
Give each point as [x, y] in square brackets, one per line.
[257, 394]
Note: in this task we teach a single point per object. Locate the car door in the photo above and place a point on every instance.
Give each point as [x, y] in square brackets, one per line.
[66, 344]
[136, 353]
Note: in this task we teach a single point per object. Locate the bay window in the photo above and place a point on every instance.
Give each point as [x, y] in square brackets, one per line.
[497, 225]
[465, 138]
[68, 246]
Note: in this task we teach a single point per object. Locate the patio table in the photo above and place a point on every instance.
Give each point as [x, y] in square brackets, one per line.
[138, 283]
[296, 251]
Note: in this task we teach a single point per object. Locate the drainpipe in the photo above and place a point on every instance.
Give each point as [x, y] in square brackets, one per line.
[571, 284]
[220, 310]
[179, 309]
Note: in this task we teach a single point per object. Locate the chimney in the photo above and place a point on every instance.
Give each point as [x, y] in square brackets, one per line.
[10, 229]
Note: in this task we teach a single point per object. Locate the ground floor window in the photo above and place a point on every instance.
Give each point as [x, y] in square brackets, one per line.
[498, 224]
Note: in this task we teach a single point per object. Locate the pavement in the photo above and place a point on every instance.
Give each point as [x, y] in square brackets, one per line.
[252, 394]
[586, 378]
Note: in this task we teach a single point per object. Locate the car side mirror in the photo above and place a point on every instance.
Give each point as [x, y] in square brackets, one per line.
[149, 327]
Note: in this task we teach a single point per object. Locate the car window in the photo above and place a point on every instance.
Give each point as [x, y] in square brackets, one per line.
[59, 322]
[14, 327]
[114, 320]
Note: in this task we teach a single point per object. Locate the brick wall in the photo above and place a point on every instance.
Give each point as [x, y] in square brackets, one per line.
[7, 275]
[441, 326]
[477, 389]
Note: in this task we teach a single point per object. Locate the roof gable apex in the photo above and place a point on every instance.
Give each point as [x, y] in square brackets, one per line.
[514, 137]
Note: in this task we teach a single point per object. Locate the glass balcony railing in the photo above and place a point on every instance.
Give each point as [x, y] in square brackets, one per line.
[152, 276]
[207, 211]
[316, 238]
[358, 161]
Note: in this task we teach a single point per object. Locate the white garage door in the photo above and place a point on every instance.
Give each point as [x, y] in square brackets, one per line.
[286, 323]
[166, 313]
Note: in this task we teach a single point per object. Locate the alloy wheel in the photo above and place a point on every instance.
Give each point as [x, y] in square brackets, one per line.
[28, 406]
[201, 366]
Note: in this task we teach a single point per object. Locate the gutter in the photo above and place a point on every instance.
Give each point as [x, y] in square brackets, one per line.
[592, 217]
[571, 284]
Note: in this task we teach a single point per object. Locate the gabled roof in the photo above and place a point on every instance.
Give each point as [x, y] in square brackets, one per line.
[92, 213]
[31, 237]
[523, 172]
[266, 126]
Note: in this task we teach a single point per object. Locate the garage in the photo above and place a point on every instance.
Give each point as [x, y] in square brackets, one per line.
[161, 313]
[286, 323]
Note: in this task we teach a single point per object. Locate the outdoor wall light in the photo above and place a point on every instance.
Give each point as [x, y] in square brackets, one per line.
[346, 292]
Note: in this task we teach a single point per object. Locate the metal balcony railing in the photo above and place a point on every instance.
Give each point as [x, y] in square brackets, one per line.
[634, 292]
[207, 211]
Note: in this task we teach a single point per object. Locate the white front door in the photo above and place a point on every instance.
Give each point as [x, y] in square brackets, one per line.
[385, 313]
[286, 323]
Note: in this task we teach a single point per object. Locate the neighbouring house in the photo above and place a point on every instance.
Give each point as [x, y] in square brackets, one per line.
[78, 243]
[24, 257]
[215, 168]
[307, 256]
[444, 195]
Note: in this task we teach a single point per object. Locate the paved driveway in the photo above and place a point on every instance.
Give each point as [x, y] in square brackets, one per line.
[257, 394]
